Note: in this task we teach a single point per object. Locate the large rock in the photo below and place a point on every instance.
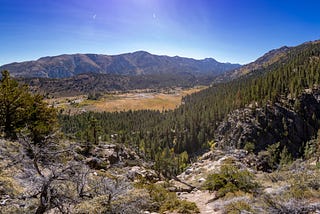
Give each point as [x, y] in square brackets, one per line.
[106, 155]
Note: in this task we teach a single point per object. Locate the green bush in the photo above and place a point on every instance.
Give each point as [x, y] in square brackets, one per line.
[249, 146]
[238, 207]
[179, 206]
[310, 149]
[268, 160]
[274, 155]
[230, 179]
[8, 186]
[285, 157]
[94, 96]
[304, 185]
[164, 200]
[96, 205]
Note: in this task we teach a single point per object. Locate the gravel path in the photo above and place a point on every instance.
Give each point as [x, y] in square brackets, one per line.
[201, 198]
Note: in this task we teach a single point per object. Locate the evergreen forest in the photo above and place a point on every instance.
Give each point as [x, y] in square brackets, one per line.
[171, 139]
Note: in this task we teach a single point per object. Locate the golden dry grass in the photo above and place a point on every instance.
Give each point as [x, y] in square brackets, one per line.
[138, 100]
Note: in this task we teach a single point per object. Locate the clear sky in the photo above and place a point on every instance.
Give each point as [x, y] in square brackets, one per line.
[227, 30]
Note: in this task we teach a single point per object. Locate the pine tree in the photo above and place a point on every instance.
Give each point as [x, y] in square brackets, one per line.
[20, 110]
[14, 101]
[42, 120]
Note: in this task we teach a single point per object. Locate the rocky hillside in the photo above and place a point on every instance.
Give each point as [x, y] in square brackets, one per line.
[292, 122]
[215, 177]
[260, 134]
[262, 62]
[136, 63]
[70, 177]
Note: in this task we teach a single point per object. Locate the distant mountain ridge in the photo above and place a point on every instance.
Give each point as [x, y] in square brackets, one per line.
[136, 63]
[103, 83]
[264, 61]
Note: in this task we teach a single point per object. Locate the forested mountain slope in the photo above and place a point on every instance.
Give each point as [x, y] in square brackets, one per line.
[276, 56]
[192, 127]
[291, 122]
[43, 172]
[101, 162]
[103, 83]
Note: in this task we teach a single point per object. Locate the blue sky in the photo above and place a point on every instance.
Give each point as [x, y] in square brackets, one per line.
[229, 31]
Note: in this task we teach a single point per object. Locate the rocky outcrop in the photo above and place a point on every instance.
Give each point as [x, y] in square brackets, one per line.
[291, 122]
[271, 196]
[210, 162]
[107, 155]
[197, 173]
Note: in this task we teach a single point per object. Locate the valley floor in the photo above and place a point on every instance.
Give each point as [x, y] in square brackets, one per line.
[165, 99]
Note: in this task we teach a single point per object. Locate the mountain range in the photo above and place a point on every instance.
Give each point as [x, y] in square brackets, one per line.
[247, 144]
[137, 63]
[84, 73]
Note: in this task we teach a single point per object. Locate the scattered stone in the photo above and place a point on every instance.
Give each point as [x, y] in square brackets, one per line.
[201, 180]
[188, 171]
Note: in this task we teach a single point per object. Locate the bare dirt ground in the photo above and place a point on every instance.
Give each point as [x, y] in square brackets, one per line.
[202, 200]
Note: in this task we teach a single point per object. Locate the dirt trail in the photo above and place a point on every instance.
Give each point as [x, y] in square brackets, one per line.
[201, 199]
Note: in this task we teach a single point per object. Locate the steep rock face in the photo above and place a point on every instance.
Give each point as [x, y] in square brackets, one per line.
[136, 63]
[290, 122]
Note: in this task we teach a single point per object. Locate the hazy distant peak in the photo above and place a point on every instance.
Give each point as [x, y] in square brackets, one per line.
[136, 63]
